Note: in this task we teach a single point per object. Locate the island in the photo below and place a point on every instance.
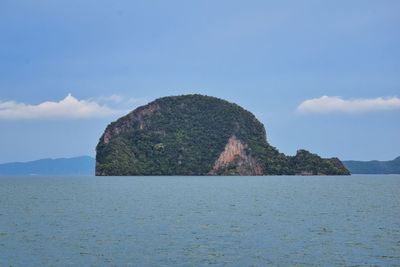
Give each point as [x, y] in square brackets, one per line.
[198, 135]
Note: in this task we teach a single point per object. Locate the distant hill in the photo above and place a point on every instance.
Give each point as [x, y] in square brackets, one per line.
[83, 165]
[374, 166]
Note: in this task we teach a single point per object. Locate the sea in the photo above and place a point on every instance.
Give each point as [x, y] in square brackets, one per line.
[200, 221]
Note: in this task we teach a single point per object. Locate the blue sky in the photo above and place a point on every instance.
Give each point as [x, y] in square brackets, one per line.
[268, 56]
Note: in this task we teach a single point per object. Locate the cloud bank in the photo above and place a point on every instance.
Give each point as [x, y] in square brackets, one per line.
[67, 108]
[336, 104]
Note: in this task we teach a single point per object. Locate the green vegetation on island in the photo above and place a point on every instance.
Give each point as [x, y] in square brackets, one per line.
[198, 135]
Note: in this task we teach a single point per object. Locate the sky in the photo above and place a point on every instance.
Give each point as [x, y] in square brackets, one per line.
[320, 75]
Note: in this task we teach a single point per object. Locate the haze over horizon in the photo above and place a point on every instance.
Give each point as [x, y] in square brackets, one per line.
[320, 76]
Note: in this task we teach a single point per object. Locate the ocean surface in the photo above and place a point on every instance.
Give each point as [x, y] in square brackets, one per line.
[200, 221]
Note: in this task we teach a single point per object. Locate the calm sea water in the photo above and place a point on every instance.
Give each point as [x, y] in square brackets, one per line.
[197, 221]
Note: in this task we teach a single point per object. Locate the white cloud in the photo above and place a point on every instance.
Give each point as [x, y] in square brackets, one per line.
[332, 104]
[67, 108]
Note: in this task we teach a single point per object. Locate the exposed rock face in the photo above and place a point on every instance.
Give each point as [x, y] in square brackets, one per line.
[132, 119]
[235, 160]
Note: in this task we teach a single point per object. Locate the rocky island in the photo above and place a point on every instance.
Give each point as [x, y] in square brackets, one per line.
[198, 135]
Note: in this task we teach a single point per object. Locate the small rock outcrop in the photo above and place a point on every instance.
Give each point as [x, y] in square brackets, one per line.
[198, 135]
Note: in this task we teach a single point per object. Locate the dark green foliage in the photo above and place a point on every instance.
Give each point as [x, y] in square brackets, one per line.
[184, 135]
[307, 163]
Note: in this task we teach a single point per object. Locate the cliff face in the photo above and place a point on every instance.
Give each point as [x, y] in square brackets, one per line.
[193, 135]
[235, 160]
[129, 122]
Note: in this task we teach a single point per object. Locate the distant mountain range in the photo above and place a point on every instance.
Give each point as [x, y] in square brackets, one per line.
[83, 165]
[374, 166]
